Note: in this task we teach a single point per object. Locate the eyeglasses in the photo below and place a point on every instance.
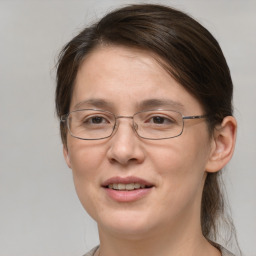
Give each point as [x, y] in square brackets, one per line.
[93, 124]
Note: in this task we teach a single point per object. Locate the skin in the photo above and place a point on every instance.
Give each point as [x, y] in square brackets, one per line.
[167, 220]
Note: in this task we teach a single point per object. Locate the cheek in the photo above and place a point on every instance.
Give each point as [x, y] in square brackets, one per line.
[86, 162]
[181, 163]
[182, 179]
[85, 158]
[179, 157]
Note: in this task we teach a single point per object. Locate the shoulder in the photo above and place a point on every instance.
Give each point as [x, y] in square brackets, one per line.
[91, 252]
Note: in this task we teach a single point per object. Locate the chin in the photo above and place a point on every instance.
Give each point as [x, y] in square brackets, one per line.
[129, 224]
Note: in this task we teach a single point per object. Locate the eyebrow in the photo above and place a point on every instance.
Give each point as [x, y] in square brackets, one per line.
[97, 102]
[161, 103]
[145, 104]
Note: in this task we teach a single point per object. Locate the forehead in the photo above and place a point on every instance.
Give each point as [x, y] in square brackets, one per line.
[125, 77]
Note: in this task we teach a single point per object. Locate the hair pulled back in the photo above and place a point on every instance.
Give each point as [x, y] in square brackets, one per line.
[184, 48]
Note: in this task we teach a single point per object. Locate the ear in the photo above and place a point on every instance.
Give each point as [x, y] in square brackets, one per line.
[66, 156]
[223, 144]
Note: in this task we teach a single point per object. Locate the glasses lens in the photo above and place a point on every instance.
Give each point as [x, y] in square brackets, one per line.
[158, 124]
[91, 124]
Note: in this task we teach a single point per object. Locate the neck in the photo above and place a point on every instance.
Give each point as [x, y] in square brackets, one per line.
[165, 243]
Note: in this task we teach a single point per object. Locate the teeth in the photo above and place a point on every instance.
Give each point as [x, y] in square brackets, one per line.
[121, 186]
[137, 185]
[130, 186]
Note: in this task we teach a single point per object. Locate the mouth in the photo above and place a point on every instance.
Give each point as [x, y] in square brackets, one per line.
[127, 189]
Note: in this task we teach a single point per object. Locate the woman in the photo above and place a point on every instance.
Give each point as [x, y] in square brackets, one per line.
[144, 97]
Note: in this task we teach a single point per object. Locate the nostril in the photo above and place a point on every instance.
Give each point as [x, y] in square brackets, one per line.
[123, 161]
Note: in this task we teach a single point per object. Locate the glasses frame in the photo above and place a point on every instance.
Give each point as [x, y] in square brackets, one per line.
[65, 117]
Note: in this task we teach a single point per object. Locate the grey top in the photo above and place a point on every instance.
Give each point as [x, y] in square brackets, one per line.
[91, 252]
[224, 252]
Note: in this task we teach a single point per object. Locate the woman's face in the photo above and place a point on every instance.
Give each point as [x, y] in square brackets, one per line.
[124, 81]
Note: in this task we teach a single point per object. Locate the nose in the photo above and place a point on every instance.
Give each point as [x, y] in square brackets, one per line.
[125, 145]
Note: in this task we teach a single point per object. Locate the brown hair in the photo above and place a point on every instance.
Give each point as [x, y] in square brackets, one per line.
[186, 50]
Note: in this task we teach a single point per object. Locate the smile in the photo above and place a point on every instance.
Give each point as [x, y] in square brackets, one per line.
[127, 189]
[130, 186]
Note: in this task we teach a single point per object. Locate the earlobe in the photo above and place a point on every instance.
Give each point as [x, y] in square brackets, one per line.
[224, 139]
[66, 156]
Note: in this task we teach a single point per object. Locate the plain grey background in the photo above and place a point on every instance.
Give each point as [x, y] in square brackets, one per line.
[39, 212]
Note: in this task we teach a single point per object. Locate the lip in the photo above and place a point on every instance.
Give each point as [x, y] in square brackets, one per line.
[127, 195]
[127, 180]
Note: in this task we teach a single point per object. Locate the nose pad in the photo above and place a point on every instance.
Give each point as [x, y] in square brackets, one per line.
[124, 147]
[135, 127]
[115, 128]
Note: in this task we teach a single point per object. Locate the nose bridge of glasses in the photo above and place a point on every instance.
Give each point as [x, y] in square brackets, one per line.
[134, 125]
[119, 117]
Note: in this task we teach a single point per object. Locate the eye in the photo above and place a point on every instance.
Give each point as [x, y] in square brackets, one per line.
[161, 120]
[96, 120]
[158, 120]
